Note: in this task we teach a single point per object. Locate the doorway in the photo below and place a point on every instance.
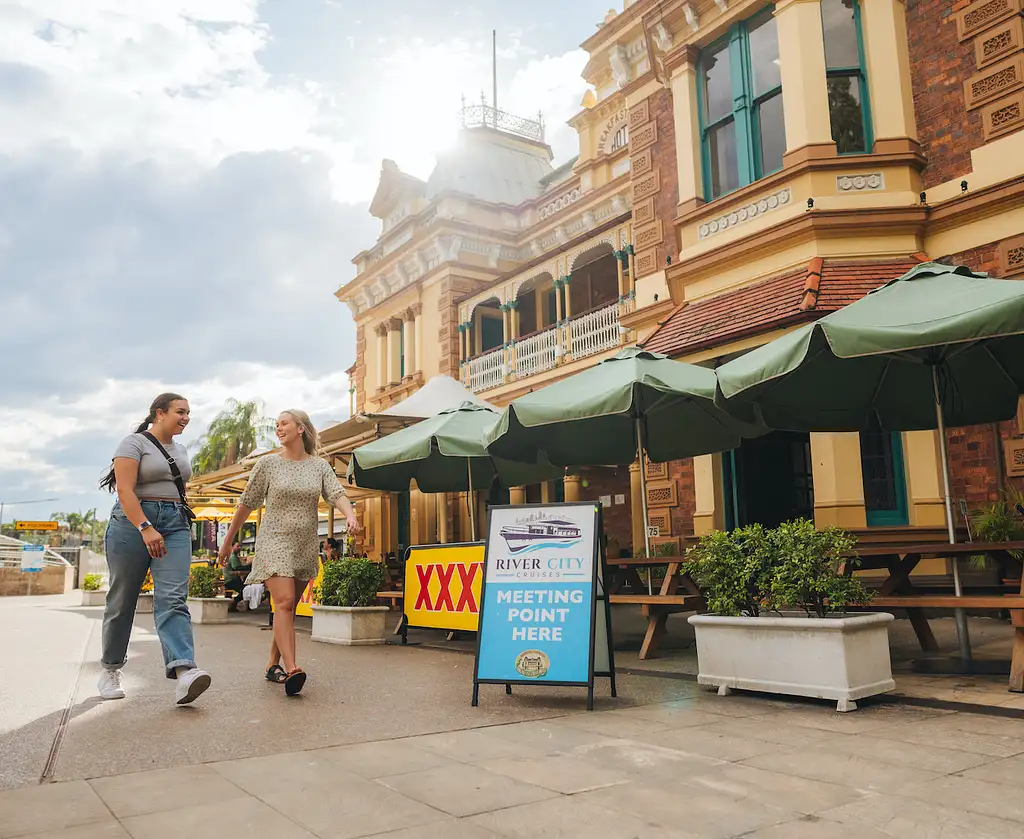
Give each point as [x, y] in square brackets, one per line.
[768, 480]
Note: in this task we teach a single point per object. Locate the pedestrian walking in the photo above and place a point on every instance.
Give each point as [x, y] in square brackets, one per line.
[291, 483]
[150, 531]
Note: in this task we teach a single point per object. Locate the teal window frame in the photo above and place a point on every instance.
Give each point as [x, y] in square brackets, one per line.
[861, 72]
[401, 353]
[745, 114]
[900, 516]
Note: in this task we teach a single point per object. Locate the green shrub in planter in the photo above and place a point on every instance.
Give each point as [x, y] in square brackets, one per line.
[999, 522]
[92, 582]
[350, 583]
[794, 566]
[733, 569]
[202, 581]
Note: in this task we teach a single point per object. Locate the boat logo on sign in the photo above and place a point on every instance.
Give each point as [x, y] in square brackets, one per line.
[533, 664]
[541, 534]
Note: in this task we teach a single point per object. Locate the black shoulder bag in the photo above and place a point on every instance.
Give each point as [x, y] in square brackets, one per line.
[176, 475]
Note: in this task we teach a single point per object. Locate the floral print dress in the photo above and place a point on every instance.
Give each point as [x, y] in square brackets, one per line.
[287, 544]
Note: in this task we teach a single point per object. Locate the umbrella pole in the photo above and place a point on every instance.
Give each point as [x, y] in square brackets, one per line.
[962, 631]
[469, 500]
[643, 497]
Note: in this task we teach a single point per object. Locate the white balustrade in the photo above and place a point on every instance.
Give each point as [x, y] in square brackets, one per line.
[538, 353]
[487, 370]
[595, 331]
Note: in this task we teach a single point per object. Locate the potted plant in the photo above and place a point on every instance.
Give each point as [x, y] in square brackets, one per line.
[145, 603]
[810, 646]
[343, 611]
[203, 603]
[93, 593]
[1002, 521]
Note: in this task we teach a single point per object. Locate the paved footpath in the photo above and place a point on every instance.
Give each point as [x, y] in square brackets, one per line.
[385, 744]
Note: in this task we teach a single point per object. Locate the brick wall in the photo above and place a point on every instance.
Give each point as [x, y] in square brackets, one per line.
[358, 379]
[664, 154]
[939, 65]
[617, 521]
[681, 471]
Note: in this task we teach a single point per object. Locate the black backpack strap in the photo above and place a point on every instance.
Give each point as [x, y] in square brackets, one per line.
[175, 472]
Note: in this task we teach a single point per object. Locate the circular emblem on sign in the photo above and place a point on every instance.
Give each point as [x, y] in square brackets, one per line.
[533, 664]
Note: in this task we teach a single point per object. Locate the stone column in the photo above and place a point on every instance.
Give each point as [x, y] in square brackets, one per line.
[683, 79]
[409, 343]
[442, 518]
[636, 507]
[517, 495]
[558, 299]
[804, 89]
[568, 296]
[381, 331]
[884, 34]
[417, 312]
[709, 507]
[631, 279]
[394, 351]
[621, 256]
[572, 487]
[463, 513]
[545, 492]
[838, 480]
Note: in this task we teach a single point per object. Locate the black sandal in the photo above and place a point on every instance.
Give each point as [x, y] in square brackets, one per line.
[276, 674]
[294, 683]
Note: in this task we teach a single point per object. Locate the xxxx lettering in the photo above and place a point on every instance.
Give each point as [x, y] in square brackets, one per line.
[444, 600]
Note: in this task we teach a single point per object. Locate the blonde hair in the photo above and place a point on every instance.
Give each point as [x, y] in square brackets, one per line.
[310, 437]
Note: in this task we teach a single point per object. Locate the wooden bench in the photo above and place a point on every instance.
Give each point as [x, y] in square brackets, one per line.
[942, 601]
[396, 598]
[687, 601]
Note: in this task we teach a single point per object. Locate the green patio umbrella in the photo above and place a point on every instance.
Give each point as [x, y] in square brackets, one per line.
[613, 412]
[939, 346]
[445, 453]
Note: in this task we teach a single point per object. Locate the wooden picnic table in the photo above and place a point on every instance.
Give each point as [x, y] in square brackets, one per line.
[656, 606]
[897, 590]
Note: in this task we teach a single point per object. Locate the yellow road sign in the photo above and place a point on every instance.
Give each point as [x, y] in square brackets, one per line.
[36, 525]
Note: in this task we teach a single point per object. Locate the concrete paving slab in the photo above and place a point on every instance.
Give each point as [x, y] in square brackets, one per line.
[211, 821]
[465, 790]
[1009, 771]
[546, 737]
[869, 717]
[100, 830]
[907, 818]
[948, 733]
[448, 829]
[768, 729]
[697, 740]
[973, 795]
[572, 818]
[643, 762]
[49, 808]
[814, 828]
[141, 793]
[668, 805]
[746, 783]
[313, 791]
[846, 770]
[558, 773]
[614, 724]
[389, 757]
[898, 753]
[471, 746]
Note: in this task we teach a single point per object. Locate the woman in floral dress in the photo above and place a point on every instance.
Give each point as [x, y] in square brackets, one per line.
[290, 482]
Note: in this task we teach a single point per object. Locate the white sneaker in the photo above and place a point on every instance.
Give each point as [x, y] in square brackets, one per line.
[110, 685]
[191, 685]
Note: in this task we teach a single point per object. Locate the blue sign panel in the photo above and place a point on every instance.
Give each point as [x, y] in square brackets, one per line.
[536, 623]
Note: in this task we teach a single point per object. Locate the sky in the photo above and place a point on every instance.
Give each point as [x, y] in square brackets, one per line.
[183, 185]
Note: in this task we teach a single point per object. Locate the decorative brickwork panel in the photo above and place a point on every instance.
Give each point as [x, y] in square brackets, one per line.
[657, 471]
[1013, 451]
[981, 14]
[1011, 257]
[646, 262]
[639, 115]
[646, 187]
[648, 236]
[641, 164]
[940, 63]
[995, 81]
[643, 212]
[643, 137]
[673, 542]
[661, 495]
[1020, 415]
[662, 519]
[999, 42]
[1004, 116]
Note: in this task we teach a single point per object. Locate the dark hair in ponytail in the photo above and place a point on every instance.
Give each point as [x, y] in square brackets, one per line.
[161, 403]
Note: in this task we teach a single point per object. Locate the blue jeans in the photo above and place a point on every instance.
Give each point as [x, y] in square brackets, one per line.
[128, 561]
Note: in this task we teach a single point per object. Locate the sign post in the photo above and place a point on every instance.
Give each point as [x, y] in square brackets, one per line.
[544, 616]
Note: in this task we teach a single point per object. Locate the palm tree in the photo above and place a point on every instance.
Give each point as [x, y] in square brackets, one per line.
[235, 433]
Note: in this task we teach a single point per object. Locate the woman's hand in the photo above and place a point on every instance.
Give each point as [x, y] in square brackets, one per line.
[224, 554]
[154, 543]
[353, 524]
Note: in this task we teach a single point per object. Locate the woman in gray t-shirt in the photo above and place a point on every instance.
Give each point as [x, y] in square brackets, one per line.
[148, 531]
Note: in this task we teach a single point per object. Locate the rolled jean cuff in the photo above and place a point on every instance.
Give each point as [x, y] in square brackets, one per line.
[173, 665]
[120, 666]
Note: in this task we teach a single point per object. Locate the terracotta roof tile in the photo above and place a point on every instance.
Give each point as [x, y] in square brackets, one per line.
[795, 297]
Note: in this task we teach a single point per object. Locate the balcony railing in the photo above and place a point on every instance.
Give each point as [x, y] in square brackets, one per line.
[588, 334]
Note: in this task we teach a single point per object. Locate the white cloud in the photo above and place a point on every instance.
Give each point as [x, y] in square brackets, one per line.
[552, 86]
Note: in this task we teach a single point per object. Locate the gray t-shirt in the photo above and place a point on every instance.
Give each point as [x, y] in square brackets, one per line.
[155, 480]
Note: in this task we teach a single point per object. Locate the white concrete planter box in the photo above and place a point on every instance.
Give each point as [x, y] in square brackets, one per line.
[844, 658]
[350, 626]
[94, 598]
[208, 610]
[145, 604]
